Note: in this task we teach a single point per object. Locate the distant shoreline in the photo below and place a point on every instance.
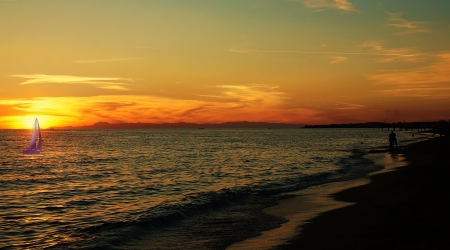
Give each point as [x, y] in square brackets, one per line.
[183, 125]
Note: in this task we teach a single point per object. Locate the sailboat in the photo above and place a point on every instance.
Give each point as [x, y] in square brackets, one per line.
[34, 148]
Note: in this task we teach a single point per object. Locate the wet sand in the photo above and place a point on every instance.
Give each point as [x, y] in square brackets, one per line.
[298, 210]
[396, 208]
[403, 209]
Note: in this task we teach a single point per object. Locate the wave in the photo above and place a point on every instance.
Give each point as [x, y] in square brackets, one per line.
[166, 215]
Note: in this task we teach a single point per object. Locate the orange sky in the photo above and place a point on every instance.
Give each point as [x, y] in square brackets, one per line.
[77, 62]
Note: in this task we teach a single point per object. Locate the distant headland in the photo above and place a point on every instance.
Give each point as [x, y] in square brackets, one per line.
[178, 125]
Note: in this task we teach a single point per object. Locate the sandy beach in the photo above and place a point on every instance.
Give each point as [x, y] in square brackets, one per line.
[404, 206]
[403, 209]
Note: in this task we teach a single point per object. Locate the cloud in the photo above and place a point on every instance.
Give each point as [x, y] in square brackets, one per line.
[113, 83]
[105, 60]
[437, 72]
[408, 54]
[344, 5]
[349, 106]
[248, 95]
[372, 48]
[241, 51]
[251, 51]
[338, 59]
[428, 92]
[411, 27]
[432, 81]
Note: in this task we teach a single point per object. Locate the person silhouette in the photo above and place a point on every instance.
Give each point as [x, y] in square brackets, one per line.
[392, 140]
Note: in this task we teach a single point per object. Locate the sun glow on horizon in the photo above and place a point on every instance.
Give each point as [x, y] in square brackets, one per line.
[27, 122]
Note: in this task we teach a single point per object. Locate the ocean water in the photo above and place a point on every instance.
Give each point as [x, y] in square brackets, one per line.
[166, 189]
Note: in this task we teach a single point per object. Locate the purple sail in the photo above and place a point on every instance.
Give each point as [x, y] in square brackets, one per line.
[35, 147]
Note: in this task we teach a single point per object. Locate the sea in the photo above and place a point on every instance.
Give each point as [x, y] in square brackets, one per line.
[167, 188]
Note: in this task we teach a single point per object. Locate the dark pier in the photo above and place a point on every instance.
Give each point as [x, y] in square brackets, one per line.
[440, 127]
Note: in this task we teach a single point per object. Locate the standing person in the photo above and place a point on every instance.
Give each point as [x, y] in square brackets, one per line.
[392, 140]
[395, 139]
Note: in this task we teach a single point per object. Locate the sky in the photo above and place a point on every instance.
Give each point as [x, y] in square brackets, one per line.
[78, 62]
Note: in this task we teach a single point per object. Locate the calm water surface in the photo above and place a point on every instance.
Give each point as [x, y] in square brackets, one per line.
[198, 189]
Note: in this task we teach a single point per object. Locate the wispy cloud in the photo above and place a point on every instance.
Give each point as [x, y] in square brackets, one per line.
[432, 81]
[339, 59]
[250, 51]
[105, 60]
[408, 54]
[410, 27]
[437, 72]
[344, 5]
[112, 83]
[349, 106]
[419, 91]
[372, 48]
[245, 95]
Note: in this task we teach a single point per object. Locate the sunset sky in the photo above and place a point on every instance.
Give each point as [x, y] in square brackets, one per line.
[78, 62]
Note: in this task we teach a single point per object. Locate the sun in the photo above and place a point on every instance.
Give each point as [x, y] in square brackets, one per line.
[27, 122]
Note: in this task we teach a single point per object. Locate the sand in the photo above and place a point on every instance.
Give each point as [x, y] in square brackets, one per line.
[397, 208]
[298, 210]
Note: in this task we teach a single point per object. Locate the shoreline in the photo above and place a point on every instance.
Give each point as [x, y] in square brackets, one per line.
[402, 209]
[309, 203]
